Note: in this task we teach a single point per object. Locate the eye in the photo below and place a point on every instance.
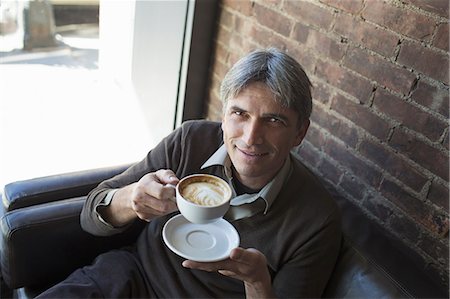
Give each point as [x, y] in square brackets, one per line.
[238, 113]
[274, 120]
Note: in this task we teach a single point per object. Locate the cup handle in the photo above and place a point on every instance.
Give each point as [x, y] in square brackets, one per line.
[174, 199]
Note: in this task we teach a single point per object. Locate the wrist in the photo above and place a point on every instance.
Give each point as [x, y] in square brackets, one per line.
[118, 212]
[259, 290]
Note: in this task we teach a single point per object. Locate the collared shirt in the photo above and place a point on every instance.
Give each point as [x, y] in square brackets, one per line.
[268, 193]
[221, 158]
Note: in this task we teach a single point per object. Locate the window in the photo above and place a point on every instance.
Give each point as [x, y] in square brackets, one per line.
[103, 94]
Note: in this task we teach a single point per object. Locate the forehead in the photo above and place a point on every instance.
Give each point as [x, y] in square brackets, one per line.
[258, 96]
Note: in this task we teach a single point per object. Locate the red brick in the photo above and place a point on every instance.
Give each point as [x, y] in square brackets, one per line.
[321, 92]
[428, 217]
[423, 154]
[267, 38]
[273, 20]
[439, 7]
[409, 115]
[431, 62]
[353, 6]
[226, 19]
[301, 33]
[362, 116]
[308, 153]
[432, 97]
[304, 56]
[213, 107]
[233, 57]
[345, 80]
[319, 42]
[441, 38]
[329, 171]
[405, 226]
[241, 6]
[445, 142]
[368, 35]
[393, 164]
[315, 136]
[356, 165]
[439, 195]
[356, 189]
[236, 43]
[216, 108]
[221, 54]
[243, 26]
[274, 3]
[401, 20]
[223, 36]
[335, 126]
[384, 72]
[323, 44]
[220, 69]
[214, 86]
[308, 13]
[378, 206]
[436, 247]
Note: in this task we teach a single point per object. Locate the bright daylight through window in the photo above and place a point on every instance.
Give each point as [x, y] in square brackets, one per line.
[84, 83]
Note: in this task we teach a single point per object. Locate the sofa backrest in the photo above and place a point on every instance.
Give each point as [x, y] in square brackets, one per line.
[42, 242]
[356, 276]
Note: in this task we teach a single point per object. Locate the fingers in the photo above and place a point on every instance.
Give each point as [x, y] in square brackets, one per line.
[238, 258]
[248, 265]
[227, 267]
[159, 184]
[166, 176]
[249, 256]
[154, 194]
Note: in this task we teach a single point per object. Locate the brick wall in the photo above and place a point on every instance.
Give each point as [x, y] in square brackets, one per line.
[379, 129]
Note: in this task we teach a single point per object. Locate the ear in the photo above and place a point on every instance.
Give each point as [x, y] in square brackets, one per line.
[301, 132]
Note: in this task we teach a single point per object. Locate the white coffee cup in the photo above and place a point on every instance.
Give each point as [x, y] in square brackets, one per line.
[203, 198]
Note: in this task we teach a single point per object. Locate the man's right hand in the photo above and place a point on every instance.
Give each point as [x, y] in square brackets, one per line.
[153, 195]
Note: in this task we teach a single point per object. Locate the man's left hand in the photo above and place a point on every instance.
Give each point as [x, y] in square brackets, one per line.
[248, 265]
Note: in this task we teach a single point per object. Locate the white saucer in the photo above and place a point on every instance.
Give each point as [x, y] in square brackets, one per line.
[200, 242]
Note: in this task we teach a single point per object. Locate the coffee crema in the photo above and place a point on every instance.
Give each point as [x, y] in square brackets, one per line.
[204, 193]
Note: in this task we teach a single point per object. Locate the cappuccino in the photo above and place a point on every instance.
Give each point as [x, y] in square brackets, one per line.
[203, 198]
[204, 192]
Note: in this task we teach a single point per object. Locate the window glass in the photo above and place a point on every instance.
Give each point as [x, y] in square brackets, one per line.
[60, 110]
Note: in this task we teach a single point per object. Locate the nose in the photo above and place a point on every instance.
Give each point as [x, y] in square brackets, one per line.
[253, 133]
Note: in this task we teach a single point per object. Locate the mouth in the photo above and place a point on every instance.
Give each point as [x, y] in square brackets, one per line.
[252, 154]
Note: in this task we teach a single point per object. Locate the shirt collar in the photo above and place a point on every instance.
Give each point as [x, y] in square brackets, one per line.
[220, 158]
[268, 193]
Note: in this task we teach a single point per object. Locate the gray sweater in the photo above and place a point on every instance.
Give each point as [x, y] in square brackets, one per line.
[300, 235]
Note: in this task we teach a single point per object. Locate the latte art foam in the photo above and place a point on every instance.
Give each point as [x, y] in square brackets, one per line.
[203, 193]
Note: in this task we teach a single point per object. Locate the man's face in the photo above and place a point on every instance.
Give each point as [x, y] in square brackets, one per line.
[259, 134]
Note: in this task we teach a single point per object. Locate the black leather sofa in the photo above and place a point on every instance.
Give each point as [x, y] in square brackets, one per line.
[42, 242]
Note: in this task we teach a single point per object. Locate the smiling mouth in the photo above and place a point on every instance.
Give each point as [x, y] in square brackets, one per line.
[251, 154]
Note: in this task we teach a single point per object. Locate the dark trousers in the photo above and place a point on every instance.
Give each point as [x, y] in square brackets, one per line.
[115, 274]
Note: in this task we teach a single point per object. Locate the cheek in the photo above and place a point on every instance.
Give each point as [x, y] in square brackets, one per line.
[230, 128]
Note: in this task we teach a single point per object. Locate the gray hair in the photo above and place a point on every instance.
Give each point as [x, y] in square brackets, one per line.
[281, 73]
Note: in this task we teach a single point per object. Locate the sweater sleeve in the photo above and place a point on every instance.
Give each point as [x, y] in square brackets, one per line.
[165, 155]
[182, 151]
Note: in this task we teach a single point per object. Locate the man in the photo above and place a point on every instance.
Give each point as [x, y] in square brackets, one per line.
[288, 225]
